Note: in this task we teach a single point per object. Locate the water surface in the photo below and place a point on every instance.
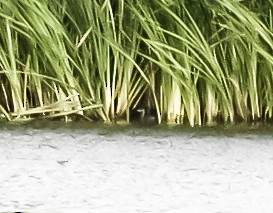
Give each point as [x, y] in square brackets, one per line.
[83, 167]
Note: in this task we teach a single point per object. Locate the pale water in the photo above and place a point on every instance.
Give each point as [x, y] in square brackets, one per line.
[89, 168]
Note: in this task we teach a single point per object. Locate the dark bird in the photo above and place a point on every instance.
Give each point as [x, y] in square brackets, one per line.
[145, 117]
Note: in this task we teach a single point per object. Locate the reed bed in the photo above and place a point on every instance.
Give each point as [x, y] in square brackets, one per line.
[194, 62]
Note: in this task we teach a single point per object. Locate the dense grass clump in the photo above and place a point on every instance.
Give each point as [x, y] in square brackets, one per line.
[198, 61]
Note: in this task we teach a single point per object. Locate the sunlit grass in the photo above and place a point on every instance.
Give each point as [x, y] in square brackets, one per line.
[193, 62]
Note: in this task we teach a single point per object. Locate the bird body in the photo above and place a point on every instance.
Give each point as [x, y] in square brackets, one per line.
[145, 117]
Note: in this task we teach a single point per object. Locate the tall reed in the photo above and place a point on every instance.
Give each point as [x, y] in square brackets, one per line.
[196, 62]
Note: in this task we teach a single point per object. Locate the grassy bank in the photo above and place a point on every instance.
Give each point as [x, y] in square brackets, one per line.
[194, 62]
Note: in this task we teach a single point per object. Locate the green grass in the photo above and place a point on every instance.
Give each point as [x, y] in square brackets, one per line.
[188, 62]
